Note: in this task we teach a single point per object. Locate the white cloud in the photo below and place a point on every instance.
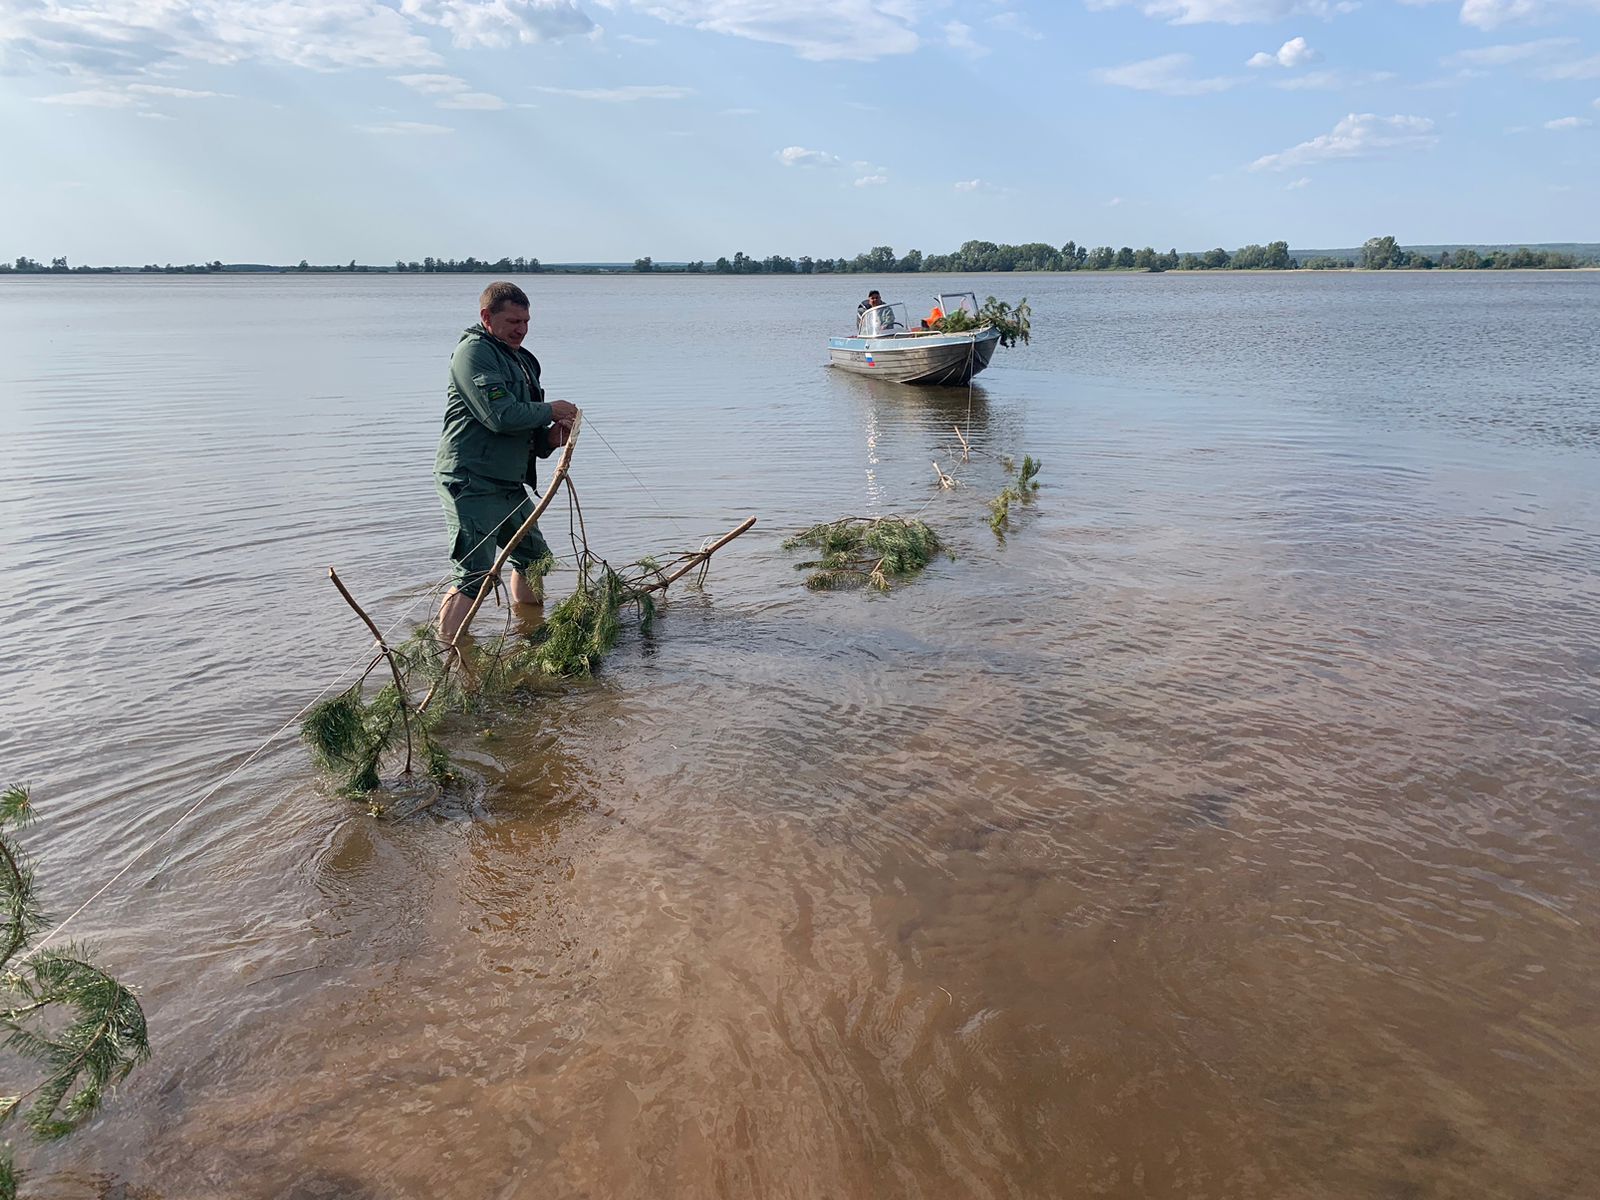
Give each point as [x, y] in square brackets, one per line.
[1293, 53]
[176, 93]
[1164, 74]
[1014, 22]
[502, 22]
[134, 96]
[959, 37]
[1568, 123]
[872, 180]
[739, 112]
[1114, 202]
[814, 29]
[1508, 52]
[1294, 185]
[1296, 53]
[124, 37]
[623, 95]
[1359, 135]
[91, 98]
[979, 185]
[799, 156]
[481, 101]
[1491, 14]
[406, 128]
[1583, 68]
[1333, 81]
[1230, 12]
[432, 85]
[452, 92]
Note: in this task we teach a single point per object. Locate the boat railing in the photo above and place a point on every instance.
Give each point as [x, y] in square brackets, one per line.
[885, 320]
[950, 302]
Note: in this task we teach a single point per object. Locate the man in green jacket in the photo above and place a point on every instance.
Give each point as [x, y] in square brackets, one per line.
[496, 421]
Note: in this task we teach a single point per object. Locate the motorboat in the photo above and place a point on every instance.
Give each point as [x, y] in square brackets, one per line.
[890, 344]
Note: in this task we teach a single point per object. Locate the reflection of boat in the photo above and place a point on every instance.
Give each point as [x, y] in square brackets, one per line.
[887, 346]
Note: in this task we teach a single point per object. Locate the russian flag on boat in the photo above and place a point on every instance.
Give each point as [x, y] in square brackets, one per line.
[870, 363]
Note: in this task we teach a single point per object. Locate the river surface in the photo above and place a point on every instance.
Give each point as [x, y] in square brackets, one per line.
[1228, 830]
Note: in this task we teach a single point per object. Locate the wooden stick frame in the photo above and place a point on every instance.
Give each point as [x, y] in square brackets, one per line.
[700, 558]
[383, 648]
[452, 652]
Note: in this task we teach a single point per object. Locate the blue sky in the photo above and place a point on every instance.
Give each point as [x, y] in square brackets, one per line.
[270, 130]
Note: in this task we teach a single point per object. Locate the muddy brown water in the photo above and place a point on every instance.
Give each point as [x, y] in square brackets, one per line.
[1228, 830]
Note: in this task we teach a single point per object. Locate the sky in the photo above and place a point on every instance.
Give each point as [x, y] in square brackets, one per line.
[136, 131]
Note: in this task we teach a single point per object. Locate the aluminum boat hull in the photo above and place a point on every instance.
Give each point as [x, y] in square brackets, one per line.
[924, 358]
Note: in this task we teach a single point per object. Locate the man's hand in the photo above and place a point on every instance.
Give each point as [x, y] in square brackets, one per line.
[562, 415]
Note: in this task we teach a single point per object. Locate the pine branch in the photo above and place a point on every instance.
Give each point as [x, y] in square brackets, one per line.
[866, 551]
[98, 1045]
[106, 1039]
[1021, 488]
[20, 915]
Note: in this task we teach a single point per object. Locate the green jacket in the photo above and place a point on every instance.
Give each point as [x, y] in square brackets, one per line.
[495, 407]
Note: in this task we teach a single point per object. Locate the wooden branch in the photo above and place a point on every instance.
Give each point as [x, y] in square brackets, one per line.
[383, 647]
[945, 482]
[557, 478]
[695, 560]
[966, 450]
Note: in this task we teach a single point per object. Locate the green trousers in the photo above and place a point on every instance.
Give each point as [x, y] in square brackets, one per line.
[481, 515]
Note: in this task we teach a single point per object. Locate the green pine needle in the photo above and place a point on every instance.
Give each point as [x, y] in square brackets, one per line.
[1013, 324]
[105, 1039]
[354, 734]
[20, 915]
[1021, 488]
[865, 552]
[81, 1027]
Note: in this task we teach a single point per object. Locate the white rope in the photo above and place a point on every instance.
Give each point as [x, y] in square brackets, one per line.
[192, 809]
[405, 615]
[588, 424]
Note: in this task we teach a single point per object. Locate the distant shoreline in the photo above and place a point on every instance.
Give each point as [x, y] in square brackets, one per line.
[972, 257]
[625, 273]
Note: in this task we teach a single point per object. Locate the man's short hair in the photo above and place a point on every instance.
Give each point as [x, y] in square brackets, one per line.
[497, 295]
[869, 294]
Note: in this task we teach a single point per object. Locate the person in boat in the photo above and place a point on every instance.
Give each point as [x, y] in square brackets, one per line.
[873, 300]
[496, 422]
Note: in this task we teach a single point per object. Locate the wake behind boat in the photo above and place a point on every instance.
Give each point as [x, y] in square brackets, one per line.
[888, 344]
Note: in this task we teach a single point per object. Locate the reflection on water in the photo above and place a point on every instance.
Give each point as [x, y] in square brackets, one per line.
[1226, 831]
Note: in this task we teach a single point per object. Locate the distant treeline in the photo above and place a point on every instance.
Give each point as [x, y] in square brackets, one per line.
[464, 266]
[1377, 254]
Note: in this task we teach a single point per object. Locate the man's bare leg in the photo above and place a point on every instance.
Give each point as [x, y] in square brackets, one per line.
[525, 590]
[452, 612]
[527, 601]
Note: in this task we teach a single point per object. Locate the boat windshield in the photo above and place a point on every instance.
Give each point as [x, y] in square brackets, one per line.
[966, 302]
[881, 321]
